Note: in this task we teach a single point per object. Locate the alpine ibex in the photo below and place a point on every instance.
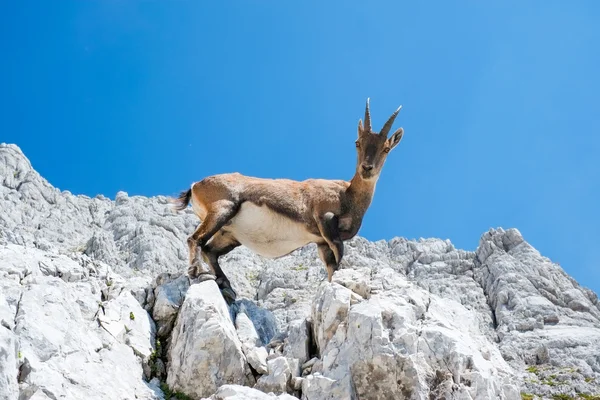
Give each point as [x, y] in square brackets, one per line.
[274, 217]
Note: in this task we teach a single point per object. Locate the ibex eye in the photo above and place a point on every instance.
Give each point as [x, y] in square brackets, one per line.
[357, 144]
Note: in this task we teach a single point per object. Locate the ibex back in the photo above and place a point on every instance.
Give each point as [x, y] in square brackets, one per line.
[274, 217]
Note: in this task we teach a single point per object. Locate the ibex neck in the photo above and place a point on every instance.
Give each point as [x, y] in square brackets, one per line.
[360, 193]
[358, 199]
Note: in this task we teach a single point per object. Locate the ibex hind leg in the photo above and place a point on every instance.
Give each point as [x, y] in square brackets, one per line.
[221, 244]
[218, 214]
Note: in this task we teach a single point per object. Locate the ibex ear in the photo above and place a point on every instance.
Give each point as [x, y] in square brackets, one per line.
[395, 138]
[360, 128]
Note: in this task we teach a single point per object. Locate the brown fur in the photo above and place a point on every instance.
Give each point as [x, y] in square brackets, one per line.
[331, 210]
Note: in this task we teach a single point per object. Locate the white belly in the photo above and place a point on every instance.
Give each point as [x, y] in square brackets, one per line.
[266, 232]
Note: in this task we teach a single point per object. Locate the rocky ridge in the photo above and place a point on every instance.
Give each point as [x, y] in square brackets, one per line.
[94, 304]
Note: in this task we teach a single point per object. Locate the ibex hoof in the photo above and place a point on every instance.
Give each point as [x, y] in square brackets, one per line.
[229, 295]
[206, 276]
[195, 272]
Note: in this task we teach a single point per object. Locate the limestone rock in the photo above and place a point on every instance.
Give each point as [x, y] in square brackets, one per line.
[298, 341]
[277, 379]
[357, 280]
[205, 351]
[9, 388]
[6, 314]
[246, 331]
[126, 320]
[263, 320]
[544, 319]
[330, 309]
[132, 233]
[237, 392]
[168, 296]
[62, 349]
[318, 387]
[88, 284]
[257, 358]
[395, 343]
[255, 353]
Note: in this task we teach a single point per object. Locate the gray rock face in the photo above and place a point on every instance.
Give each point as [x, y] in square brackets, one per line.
[543, 317]
[318, 387]
[298, 341]
[95, 303]
[61, 350]
[168, 296]
[131, 234]
[8, 364]
[528, 294]
[237, 392]
[256, 355]
[279, 374]
[405, 343]
[205, 351]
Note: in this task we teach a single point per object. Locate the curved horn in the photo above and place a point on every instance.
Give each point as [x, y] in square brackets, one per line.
[388, 125]
[367, 118]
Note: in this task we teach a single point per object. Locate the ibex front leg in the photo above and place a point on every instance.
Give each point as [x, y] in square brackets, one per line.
[219, 213]
[332, 252]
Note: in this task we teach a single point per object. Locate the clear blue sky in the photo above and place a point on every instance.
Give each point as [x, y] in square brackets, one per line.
[501, 105]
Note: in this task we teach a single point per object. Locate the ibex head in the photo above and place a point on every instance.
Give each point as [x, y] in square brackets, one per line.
[373, 147]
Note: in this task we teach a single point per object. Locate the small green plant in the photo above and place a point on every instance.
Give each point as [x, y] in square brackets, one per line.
[155, 355]
[526, 396]
[299, 267]
[589, 396]
[533, 369]
[169, 394]
[156, 352]
[20, 355]
[109, 283]
[589, 379]
[562, 397]
[131, 316]
[252, 276]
